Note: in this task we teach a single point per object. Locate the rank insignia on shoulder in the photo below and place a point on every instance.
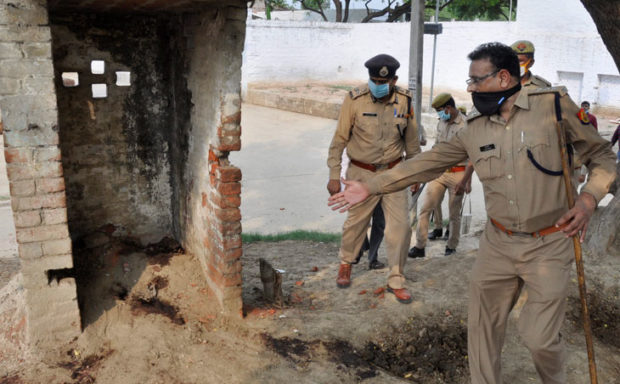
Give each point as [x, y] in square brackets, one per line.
[583, 117]
[358, 91]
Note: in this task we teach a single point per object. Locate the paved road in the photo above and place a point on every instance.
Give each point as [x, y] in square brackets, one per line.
[283, 160]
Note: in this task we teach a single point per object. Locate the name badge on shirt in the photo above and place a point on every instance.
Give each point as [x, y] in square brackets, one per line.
[369, 114]
[487, 147]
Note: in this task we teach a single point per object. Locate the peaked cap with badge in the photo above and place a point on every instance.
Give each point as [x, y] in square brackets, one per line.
[382, 65]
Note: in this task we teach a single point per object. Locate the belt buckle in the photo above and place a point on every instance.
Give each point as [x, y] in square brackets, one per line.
[380, 167]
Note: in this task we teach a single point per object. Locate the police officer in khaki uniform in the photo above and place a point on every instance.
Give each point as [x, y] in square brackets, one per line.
[526, 235]
[450, 122]
[377, 127]
[525, 52]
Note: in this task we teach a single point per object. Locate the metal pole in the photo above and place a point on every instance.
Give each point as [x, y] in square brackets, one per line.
[510, 14]
[430, 102]
[416, 51]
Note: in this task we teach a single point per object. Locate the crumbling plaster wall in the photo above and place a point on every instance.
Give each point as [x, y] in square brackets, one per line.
[210, 225]
[116, 150]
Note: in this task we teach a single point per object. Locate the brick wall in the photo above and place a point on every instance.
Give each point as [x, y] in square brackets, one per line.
[210, 219]
[35, 172]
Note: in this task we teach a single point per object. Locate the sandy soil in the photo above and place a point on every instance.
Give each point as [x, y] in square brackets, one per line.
[149, 318]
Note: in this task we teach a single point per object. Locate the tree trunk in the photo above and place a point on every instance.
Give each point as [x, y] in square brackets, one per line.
[338, 5]
[606, 14]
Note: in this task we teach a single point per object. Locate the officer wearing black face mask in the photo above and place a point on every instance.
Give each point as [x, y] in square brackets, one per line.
[524, 204]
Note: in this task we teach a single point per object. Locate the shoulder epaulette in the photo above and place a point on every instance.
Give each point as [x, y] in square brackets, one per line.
[540, 80]
[472, 114]
[539, 91]
[404, 91]
[358, 91]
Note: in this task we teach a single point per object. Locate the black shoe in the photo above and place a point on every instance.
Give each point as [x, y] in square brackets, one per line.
[447, 234]
[416, 252]
[376, 264]
[449, 251]
[435, 234]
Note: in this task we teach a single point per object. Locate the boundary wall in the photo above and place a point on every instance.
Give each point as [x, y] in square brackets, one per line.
[291, 51]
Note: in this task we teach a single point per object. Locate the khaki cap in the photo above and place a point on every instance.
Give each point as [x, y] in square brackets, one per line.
[441, 100]
[522, 47]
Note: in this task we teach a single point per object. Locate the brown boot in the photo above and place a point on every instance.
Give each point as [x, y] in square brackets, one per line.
[344, 276]
[402, 294]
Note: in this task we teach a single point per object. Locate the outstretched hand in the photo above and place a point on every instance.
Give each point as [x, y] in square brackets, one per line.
[578, 217]
[354, 192]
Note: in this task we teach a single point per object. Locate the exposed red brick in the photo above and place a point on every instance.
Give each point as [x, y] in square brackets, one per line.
[228, 174]
[232, 280]
[232, 242]
[235, 146]
[50, 185]
[235, 118]
[204, 199]
[212, 156]
[226, 201]
[229, 228]
[17, 155]
[229, 188]
[228, 214]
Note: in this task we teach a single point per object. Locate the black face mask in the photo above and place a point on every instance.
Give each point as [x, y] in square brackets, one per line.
[488, 103]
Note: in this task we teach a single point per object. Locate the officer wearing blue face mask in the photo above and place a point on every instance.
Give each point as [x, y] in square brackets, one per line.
[378, 129]
[456, 179]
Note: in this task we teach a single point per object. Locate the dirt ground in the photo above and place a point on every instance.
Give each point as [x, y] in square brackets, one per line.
[150, 318]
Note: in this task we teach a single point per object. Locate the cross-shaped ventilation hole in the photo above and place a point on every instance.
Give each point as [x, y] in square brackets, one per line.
[99, 90]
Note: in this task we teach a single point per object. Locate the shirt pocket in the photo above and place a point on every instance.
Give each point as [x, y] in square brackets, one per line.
[536, 145]
[367, 124]
[488, 164]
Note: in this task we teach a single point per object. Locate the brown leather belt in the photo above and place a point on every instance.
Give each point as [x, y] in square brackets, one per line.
[541, 233]
[373, 167]
[456, 169]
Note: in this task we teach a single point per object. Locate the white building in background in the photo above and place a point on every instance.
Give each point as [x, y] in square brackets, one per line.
[286, 51]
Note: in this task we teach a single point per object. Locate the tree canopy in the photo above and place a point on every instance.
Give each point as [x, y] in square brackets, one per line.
[397, 10]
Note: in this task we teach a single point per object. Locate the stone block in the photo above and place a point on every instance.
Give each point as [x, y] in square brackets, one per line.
[35, 274]
[47, 154]
[57, 247]
[37, 50]
[34, 85]
[20, 34]
[10, 51]
[20, 68]
[26, 219]
[22, 188]
[28, 112]
[50, 185]
[9, 86]
[27, 14]
[20, 171]
[42, 233]
[52, 200]
[30, 250]
[54, 216]
[48, 169]
[31, 138]
[18, 155]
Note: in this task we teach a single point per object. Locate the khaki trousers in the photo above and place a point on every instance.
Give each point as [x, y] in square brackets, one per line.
[543, 265]
[435, 191]
[397, 228]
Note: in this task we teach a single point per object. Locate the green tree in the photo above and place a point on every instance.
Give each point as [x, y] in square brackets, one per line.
[396, 9]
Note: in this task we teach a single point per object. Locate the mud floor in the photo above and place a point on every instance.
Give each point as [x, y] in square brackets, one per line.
[150, 318]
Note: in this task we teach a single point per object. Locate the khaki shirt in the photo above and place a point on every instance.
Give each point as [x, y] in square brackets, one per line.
[536, 82]
[517, 194]
[447, 130]
[372, 131]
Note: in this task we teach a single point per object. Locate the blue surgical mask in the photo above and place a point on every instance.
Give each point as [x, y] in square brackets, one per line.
[443, 115]
[378, 91]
